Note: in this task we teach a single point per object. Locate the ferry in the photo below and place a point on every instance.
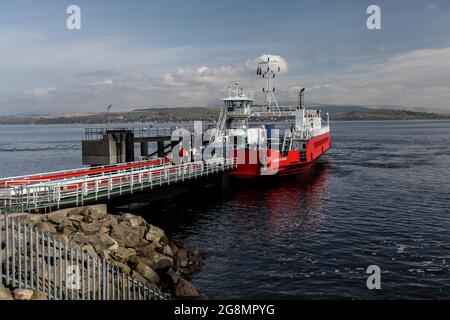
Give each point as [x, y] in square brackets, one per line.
[265, 150]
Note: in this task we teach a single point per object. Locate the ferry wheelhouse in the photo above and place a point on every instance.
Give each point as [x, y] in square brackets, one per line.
[265, 150]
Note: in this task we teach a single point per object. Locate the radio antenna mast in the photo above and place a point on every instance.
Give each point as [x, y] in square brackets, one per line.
[268, 69]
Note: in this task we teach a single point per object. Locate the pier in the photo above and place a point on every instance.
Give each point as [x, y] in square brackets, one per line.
[48, 191]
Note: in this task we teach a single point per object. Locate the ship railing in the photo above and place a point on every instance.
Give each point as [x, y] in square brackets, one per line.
[83, 190]
[33, 259]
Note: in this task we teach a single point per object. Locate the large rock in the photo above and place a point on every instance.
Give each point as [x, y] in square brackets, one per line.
[35, 218]
[185, 289]
[89, 228]
[160, 261]
[23, 294]
[96, 214]
[135, 260]
[174, 276]
[79, 239]
[101, 241]
[5, 294]
[147, 272]
[57, 217]
[125, 235]
[46, 227]
[122, 266]
[124, 254]
[76, 217]
[182, 258]
[68, 225]
[154, 234]
[39, 296]
[90, 250]
[132, 220]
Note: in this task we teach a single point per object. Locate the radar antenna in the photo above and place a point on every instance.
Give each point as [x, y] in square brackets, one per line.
[268, 69]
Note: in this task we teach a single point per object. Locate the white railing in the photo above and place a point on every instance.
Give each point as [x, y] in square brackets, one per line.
[82, 190]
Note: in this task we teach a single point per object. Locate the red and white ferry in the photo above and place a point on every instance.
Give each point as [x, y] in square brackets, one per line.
[264, 150]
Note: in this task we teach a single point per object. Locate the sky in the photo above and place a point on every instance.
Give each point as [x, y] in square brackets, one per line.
[170, 53]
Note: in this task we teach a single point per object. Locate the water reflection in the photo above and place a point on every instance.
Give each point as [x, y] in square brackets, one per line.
[285, 204]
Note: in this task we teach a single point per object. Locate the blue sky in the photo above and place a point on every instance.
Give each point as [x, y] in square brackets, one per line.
[185, 53]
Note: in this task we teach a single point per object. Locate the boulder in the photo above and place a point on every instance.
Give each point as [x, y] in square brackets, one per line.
[66, 227]
[90, 250]
[23, 294]
[5, 294]
[35, 218]
[124, 254]
[46, 227]
[149, 249]
[39, 296]
[76, 217]
[104, 254]
[168, 251]
[173, 248]
[85, 211]
[79, 238]
[147, 272]
[101, 241]
[154, 234]
[125, 235]
[134, 221]
[135, 260]
[182, 258]
[160, 261]
[185, 289]
[56, 218]
[89, 228]
[174, 276]
[122, 266]
[96, 215]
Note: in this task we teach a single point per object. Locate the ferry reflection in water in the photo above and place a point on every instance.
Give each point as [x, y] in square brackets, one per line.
[283, 204]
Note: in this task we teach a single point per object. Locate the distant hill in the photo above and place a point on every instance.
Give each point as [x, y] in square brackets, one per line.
[210, 114]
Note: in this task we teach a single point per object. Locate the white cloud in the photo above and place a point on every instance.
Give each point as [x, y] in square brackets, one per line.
[40, 92]
[252, 64]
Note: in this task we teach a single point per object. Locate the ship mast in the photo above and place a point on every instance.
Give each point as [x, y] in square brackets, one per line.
[268, 69]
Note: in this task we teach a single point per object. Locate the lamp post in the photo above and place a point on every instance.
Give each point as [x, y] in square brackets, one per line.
[109, 116]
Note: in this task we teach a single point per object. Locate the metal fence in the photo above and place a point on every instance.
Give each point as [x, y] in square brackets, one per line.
[138, 132]
[83, 190]
[32, 259]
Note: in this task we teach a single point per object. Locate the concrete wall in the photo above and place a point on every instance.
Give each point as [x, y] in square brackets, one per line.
[110, 150]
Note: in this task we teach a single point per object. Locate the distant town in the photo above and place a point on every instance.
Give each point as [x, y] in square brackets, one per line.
[210, 114]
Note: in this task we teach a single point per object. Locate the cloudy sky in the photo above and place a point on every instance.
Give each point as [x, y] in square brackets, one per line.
[141, 54]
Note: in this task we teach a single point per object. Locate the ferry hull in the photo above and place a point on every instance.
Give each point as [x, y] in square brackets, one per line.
[279, 164]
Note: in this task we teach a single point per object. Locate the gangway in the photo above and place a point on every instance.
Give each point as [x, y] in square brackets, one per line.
[26, 194]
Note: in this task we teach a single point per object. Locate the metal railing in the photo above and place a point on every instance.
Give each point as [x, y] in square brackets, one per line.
[88, 189]
[139, 132]
[32, 259]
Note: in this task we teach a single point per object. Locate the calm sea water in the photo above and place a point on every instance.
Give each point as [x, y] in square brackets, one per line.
[380, 197]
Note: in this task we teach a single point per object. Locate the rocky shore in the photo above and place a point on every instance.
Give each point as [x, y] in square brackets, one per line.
[130, 243]
[20, 294]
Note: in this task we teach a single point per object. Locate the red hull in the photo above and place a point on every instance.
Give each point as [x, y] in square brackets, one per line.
[294, 162]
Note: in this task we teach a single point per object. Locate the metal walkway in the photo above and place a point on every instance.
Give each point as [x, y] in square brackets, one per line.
[24, 194]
